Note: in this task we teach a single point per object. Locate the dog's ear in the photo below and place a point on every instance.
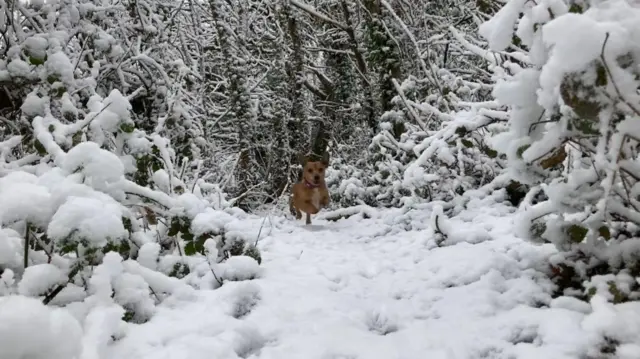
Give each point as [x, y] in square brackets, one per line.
[302, 159]
[325, 159]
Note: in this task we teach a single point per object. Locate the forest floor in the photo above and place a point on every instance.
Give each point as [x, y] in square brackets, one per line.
[379, 287]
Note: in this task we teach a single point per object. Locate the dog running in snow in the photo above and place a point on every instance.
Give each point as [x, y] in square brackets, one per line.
[310, 195]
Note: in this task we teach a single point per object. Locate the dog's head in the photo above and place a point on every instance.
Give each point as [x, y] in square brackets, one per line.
[313, 171]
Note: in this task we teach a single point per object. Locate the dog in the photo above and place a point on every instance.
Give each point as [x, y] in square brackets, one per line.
[310, 195]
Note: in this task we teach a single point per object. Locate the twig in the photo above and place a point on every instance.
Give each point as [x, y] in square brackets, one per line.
[269, 215]
[613, 82]
[439, 231]
[26, 246]
[214, 273]
[49, 297]
[415, 116]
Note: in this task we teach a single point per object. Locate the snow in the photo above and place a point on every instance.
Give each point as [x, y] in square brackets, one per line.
[40, 278]
[378, 284]
[367, 288]
[240, 268]
[452, 279]
[210, 221]
[10, 248]
[36, 46]
[99, 166]
[23, 200]
[148, 255]
[33, 105]
[97, 221]
[19, 68]
[499, 29]
[29, 329]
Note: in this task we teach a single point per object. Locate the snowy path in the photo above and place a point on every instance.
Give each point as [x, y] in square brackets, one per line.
[368, 289]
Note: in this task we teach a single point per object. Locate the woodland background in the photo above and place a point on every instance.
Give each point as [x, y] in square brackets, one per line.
[141, 128]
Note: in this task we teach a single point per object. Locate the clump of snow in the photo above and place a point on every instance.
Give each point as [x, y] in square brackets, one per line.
[88, 219]
[11, 249]
[6, 282]
[210, 221]
[70, 294]
[38, 279]
[18, 68]
[148, 255]
[99, 167]
[23, 201]
[189, 204]
[34, 105]
[29, 329]
[499, 29]
[239, 268]
[36, 46]
[67, 106]
[132, 292]
[161, 179]
[60, 67]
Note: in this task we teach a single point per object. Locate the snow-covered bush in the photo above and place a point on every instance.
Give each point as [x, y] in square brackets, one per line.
[571, 85]
[431, 142]
[103, 206]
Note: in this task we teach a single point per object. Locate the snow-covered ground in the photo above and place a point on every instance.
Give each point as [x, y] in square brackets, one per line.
[381, 288]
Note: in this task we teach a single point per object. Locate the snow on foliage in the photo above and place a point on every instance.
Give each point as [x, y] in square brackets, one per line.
[29, 329]
[571, 138]
[553, 126]
[97, 196]
[131, 134]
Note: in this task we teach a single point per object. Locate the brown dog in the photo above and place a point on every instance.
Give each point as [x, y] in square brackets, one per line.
[310, 195]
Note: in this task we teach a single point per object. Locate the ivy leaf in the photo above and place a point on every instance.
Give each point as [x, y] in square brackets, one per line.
[490, 152]
[127, 127]
[42, 151]
[51, 79]
[36, 61]
[521, 150]
[190, 248]
[253, 252]
[76, 138]
[174, 228]
[575, 8]
[461, 131]
[577, 233]
[126, 222]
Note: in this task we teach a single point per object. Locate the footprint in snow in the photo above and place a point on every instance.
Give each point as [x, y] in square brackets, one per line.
[244, 300]
[249, 341]
[379, 321]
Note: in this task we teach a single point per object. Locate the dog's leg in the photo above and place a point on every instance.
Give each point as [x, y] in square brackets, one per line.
[324, 202]
[292, 208]
[308, 218]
